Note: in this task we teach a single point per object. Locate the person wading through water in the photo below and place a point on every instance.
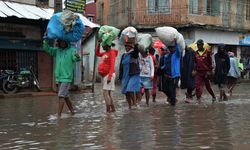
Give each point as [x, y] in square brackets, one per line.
[66, 57]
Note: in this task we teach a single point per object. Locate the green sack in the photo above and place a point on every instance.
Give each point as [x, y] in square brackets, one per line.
[108, 34]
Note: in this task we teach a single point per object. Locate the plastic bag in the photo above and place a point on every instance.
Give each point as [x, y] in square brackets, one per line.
[167, 35]
[108, 34]
[129, 35]
[56, 30]
[145, 40]
[180, 41]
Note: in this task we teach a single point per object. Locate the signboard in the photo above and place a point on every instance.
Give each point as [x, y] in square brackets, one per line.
[77, 6]
[245, 40]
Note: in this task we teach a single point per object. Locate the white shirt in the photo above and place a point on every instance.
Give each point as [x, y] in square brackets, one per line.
[146, 66]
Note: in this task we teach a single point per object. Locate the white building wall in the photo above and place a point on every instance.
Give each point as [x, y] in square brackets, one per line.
[89, 57]
[216, 37]
[51, 3]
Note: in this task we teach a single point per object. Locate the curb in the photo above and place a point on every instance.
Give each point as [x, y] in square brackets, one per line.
[27, 94]
[35, 94]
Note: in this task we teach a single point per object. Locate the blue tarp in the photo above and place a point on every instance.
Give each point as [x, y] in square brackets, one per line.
[245, 41]
[56, 30]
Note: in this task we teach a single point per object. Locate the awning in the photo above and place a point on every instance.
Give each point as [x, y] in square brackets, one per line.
[21, 44]
[9, 9]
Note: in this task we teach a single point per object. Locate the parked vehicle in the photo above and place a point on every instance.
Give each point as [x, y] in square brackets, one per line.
[25, 78]
[3, 76]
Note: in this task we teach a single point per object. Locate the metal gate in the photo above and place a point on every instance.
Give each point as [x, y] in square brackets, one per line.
[16, 59]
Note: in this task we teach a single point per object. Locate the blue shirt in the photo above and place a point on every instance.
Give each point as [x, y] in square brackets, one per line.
[172, 62]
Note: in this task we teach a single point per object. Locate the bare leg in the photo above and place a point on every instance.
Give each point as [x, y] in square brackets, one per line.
[70, 106]
[112, 106]
[147, 95]
[225, 96]
[133, 98]
[231, 89]
[129, 100]
[107, 100]
[221, 95]
[139, 96]
[60, 106]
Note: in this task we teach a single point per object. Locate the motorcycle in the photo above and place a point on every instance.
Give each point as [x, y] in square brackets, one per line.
[3, 76]
[25, 78]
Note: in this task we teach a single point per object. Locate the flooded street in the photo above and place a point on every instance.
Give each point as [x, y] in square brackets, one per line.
[30, 123]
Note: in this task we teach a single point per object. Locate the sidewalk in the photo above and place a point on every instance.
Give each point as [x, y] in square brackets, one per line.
[22, 94]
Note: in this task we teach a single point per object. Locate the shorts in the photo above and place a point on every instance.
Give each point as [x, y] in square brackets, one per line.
[63, 89]
[109, 86]
[146, 83]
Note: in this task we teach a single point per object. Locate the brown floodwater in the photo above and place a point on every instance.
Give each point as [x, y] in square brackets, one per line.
[31, 123]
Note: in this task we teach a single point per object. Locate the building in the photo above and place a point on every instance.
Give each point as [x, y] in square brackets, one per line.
[22, 25]
[90, 11]
[214, 21]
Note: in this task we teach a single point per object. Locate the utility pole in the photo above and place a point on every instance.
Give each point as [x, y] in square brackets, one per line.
[57, 6]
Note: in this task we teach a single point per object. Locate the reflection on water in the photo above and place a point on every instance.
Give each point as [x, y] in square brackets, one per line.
[30, 123]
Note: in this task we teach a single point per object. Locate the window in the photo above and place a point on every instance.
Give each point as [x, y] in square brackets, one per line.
[159, 6]
[91, 19]
[248, 10]
[193, 6]
[211, 7]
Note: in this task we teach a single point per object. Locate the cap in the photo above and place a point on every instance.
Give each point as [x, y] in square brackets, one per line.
[200, 42]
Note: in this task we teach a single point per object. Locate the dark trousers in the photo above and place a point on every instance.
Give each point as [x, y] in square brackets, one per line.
[189, 93]
[199, 84]
[170, 90]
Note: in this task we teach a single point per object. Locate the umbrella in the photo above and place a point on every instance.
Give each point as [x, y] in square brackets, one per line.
[195, 48]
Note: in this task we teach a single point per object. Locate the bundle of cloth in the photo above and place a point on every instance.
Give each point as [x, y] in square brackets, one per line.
[65, 26]
[107, 34]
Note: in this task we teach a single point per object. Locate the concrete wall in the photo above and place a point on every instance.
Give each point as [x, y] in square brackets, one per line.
[45, 72]
[89, 57]
[88, 49]
[216, 37]
[179, 15]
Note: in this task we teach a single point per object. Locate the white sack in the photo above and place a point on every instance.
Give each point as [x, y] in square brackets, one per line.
[128, 33]
[167, 35]
[180, 41]
[145, 40]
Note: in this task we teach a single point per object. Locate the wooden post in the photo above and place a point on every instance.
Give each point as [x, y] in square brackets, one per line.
[95, 59]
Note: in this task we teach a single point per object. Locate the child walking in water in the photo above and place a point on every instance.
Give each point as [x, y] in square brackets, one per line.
[146, 74]
[106, 69]
[65, 57]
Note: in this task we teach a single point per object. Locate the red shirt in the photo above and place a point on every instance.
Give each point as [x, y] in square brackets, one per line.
[203, 62]
[107, 63]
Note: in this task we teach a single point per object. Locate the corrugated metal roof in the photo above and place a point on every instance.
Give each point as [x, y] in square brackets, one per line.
[8, 9]
[2, 14]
